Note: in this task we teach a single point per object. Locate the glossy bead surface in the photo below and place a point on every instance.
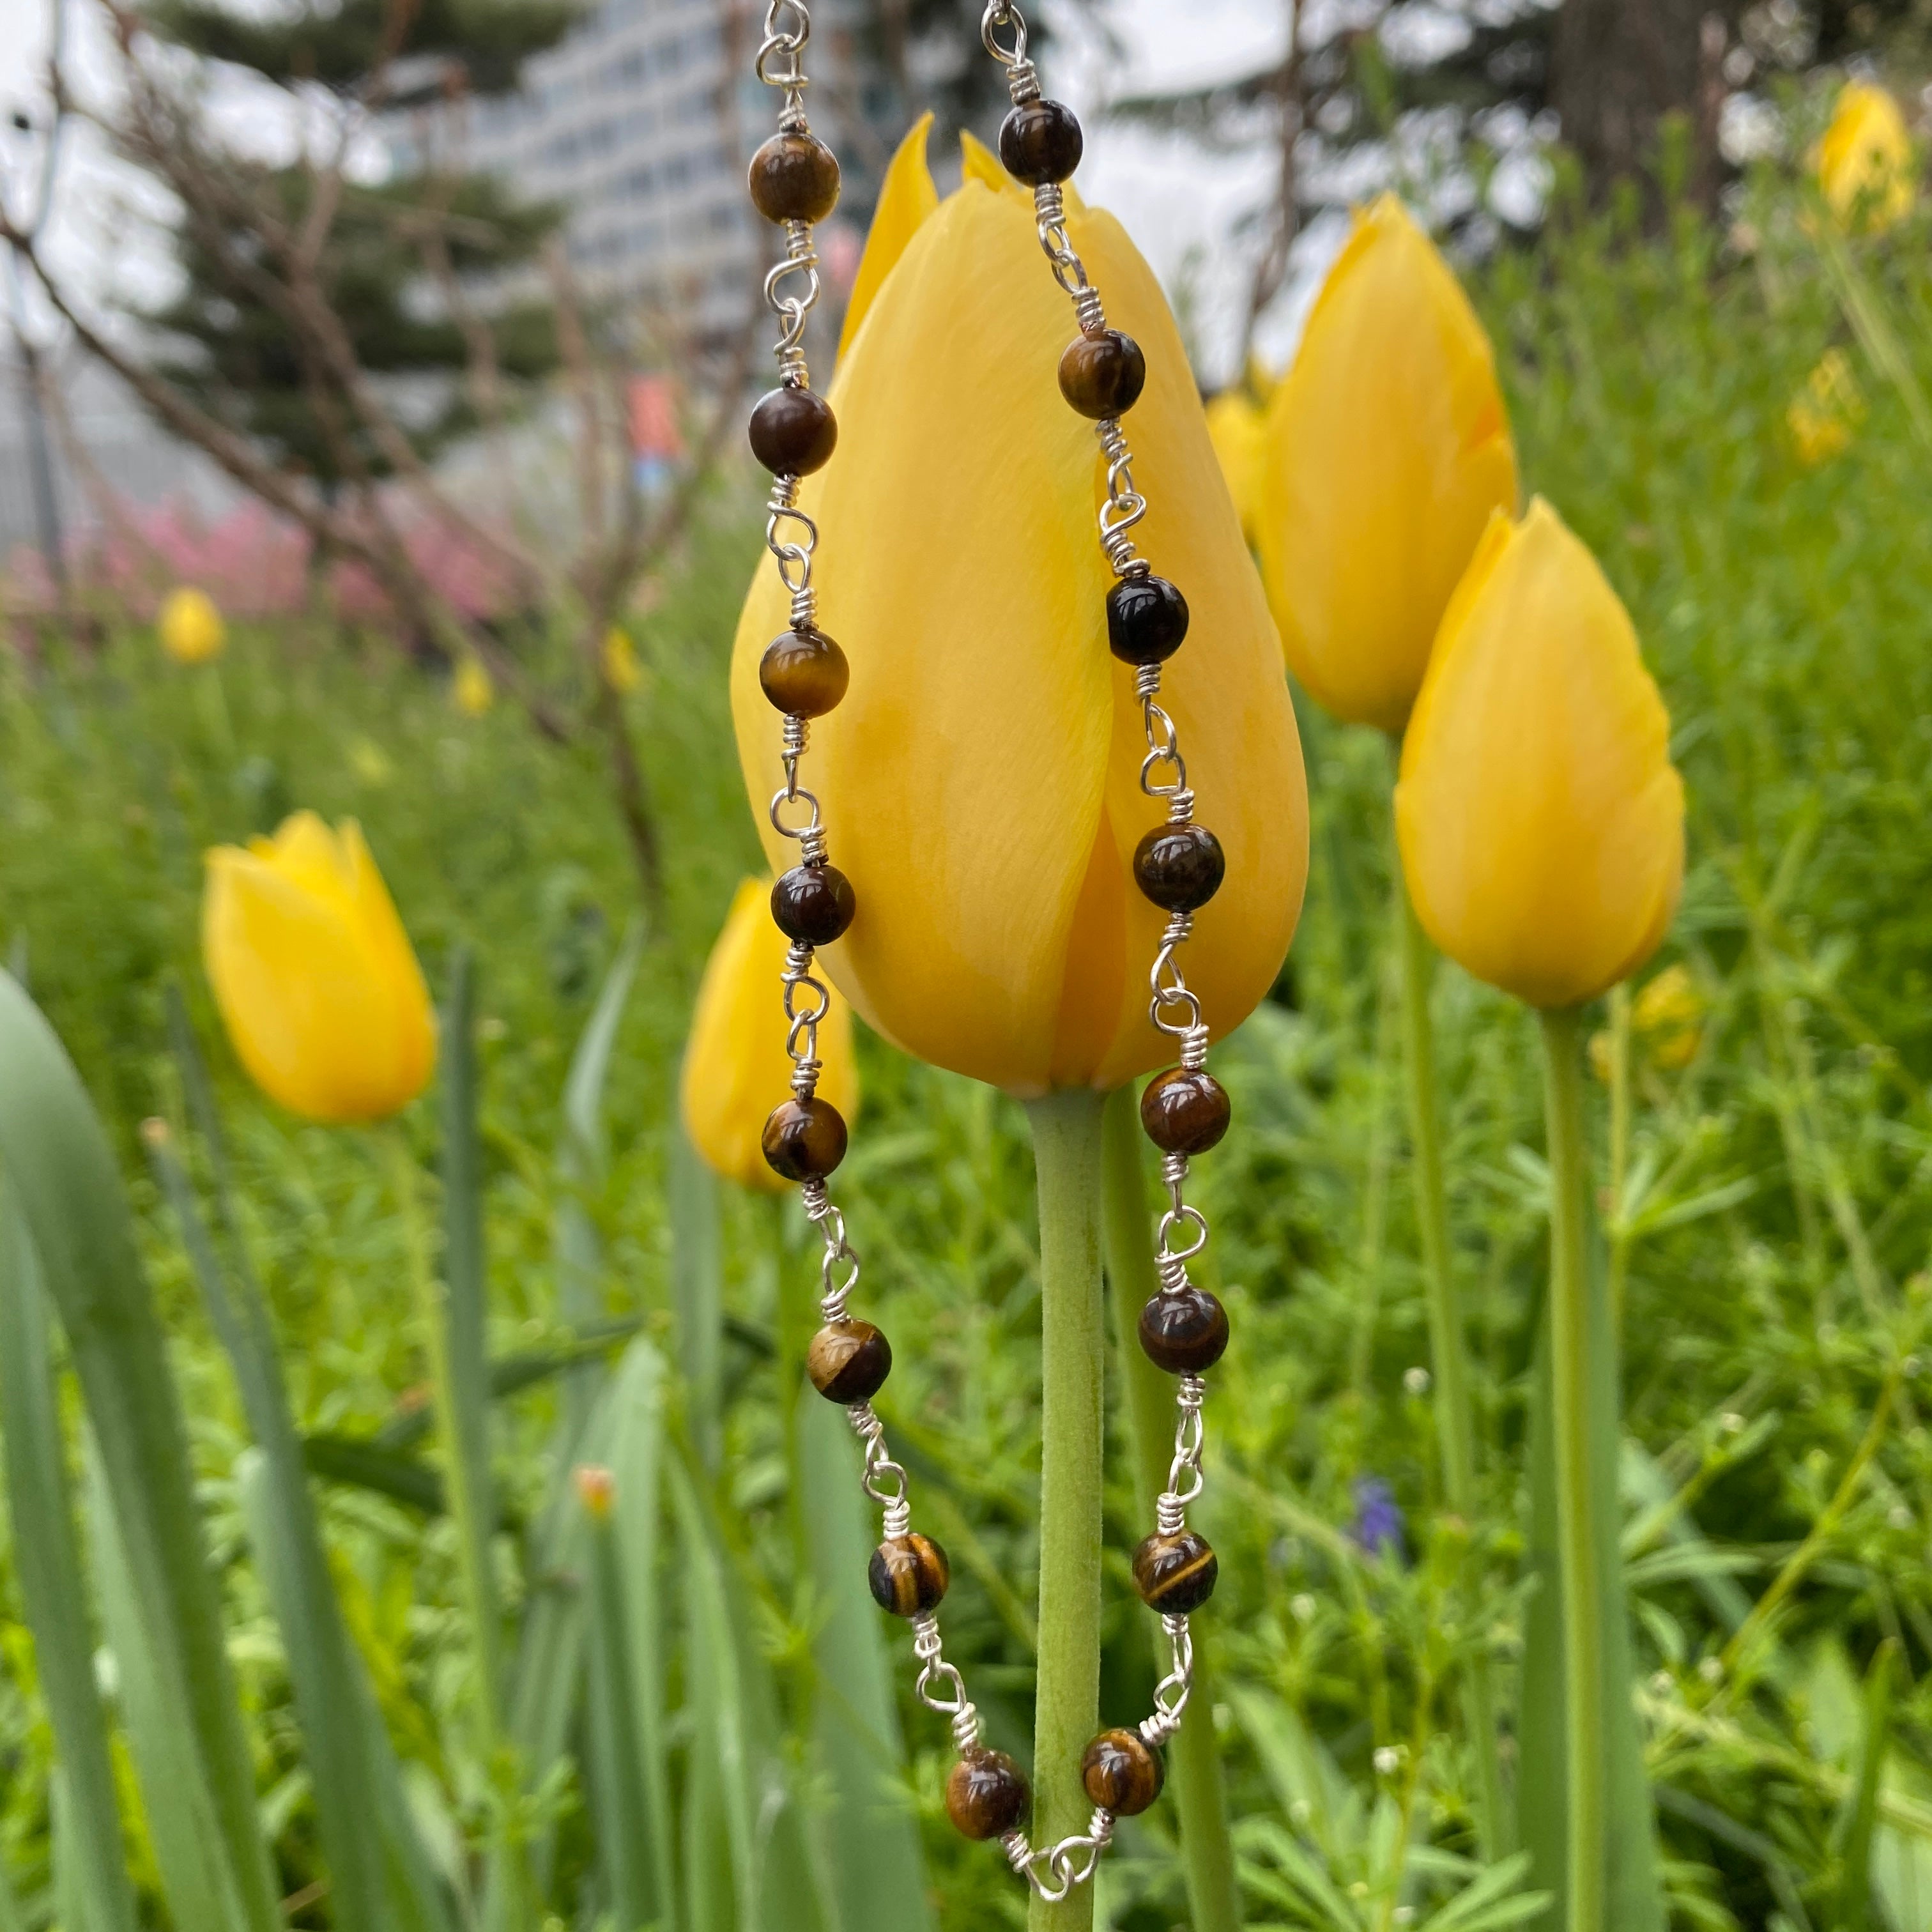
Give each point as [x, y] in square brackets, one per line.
[1180, 867]
[1102, 375]
[1146, 620]
[848, 1361]
[986, 1796]
[794, 178]
[1122, 1771]
[1185, 1333]
[908, 1575]
[804, 1140]
[1184, 1112]
[1175, 1574]
[804, 674]
[1041, 141]
[793, 431]
[813, 903]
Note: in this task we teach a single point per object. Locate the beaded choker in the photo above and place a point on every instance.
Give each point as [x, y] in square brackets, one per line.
[1178, 865]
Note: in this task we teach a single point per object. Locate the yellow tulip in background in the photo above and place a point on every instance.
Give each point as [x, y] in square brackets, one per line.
[315, 978]
[191, 629]
[1387, 447]
[1540, 820]
[473, 689]
[735, 1068]
[1825, 412]
[1867, 170]
[622, 670]
[981, 778]
[1237, 427]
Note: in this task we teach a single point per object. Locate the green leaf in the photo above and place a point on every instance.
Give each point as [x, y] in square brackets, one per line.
[1860, 1815]
[332, 1701]
[64, 1178]
[698, 1292]
[364, 1461]
[46, 1559]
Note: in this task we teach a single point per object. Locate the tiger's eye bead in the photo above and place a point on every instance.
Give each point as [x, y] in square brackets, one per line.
[1102, 375]
[793, 431]
[848, 1361]
[1180, 867]
[986, 1796]
[1185, 1333]
[813, 903]
[1122, 1771]
[804, 674]
[1184, 1111]
[908, 1575]
[1175, 1574]
[805, 1140]
[794, 178]
[1147, 620]
[1041, 141]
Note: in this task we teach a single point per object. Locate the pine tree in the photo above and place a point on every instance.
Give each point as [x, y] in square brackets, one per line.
[299, 284]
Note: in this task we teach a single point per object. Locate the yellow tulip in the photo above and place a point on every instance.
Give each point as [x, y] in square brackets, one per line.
[473, 689]
[1387, 447]
[1825, 412]
[313, 974]
[735, 1068]
[1667, 1018]
[981, 779]
[1540, 821]
[622, 670]
[192, 631]
[1866, 168]
[1238, 430]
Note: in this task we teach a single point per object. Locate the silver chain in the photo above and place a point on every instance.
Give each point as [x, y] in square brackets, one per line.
[792, 288]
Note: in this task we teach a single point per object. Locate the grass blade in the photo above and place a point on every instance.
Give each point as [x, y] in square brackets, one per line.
[47, 1558]
[64, 1175]
[1861, 1814]
[697, 1294]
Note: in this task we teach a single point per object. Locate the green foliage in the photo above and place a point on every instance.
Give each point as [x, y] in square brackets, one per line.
[1773, 1223]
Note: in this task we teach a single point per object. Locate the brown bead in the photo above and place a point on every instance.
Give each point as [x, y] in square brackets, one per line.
[848, 1361]
[1180, 867]
[1102, 375]
[813, 903]
[1175, 1574]
[1185, 1333]
[805, 1140]
[909, 1575]
[986, 1796]
[794, 178]
[1184, 1112]
[1146, 620]
[793, 431]
[1122, 1771]
[1041, 141]
[804, 674]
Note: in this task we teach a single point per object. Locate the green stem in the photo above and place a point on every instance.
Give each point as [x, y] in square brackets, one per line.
[1620, 1144]
[1066, 1156]
[1586, 1741]
[475, 1576]
[1455, 1422]
[1194, 1761]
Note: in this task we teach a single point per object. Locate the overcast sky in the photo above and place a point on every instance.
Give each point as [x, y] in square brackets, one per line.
[1177, 204]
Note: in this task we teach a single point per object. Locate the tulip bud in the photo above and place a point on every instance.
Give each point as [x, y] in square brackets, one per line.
[1866, 168]
[736, 1067]
[981, 779]
[1388, 448]
[314, 977]
[473, 689]
[192, 631]
[1540, 821]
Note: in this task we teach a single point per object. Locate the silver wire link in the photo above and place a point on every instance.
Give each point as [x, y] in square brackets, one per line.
[780, 62]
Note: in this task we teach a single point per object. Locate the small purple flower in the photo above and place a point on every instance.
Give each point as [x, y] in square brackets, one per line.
[1378, 1524]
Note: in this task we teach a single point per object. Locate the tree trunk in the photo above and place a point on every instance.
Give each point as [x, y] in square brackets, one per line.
[1618, 67]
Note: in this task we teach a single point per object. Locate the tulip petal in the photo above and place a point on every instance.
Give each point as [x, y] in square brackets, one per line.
[978, 162]
[1540, 821]
[981, 779]
[907, 200]
[736, 1069]
[1387, 449]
